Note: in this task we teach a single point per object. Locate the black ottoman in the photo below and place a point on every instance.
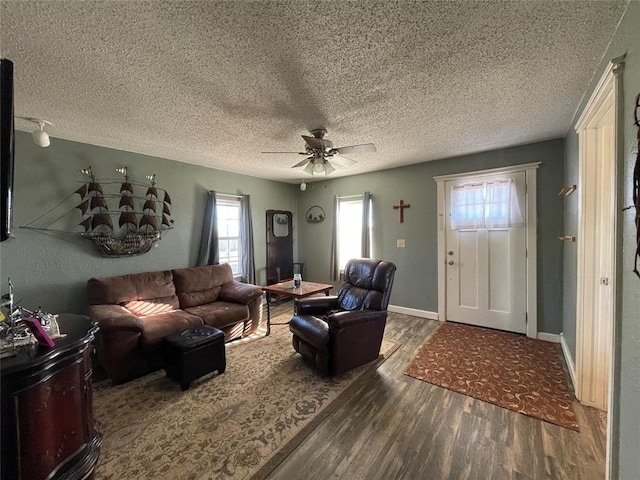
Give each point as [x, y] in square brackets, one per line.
[194, 353]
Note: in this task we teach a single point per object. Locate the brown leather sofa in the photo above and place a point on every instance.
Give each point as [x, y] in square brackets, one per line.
[136, 311]
[337, 333]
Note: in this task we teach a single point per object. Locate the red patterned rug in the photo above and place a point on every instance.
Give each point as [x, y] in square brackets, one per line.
[512, 371]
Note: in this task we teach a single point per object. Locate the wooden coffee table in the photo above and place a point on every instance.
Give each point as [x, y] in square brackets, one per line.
[286, 289]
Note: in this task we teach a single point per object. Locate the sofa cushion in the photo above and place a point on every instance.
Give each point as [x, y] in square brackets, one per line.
[151, 306]
[160, 325]
[200, 285]
[220, 314]
[130, 288]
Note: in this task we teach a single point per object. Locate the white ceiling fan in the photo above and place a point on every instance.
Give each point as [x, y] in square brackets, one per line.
[321, 154]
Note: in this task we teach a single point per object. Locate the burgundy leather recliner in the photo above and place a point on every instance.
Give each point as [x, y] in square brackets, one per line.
[338, 333]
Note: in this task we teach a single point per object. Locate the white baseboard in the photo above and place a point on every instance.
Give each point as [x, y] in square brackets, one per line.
[414, 312]
[570, 364]
[549, 337]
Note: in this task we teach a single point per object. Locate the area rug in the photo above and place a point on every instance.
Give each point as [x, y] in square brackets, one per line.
[237, 425]
[509, 370]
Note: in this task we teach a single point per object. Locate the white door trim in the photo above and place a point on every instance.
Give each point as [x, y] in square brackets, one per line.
[609, 84]
[530, 170]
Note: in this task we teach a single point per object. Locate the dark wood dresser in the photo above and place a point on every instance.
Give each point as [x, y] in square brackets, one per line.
[48, 430]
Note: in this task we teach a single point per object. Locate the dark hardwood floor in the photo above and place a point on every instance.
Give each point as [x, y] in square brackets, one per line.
[392, 426]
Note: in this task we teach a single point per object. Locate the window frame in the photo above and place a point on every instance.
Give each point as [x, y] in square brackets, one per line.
[349, 200]
[232, 260]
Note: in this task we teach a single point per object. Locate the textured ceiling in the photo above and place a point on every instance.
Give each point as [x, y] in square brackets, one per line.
[215, 83]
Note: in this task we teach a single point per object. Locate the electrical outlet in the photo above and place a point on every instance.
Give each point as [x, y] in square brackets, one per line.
[400, 243]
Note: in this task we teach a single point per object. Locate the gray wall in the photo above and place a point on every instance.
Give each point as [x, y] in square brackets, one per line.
[416, 283]
[52, 271]
[570, 259]
[623, 413]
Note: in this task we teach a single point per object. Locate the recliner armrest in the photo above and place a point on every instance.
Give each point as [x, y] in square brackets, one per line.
[316, 305]
[311, 329]
[238, 292]
[115, 317]
[354, 318]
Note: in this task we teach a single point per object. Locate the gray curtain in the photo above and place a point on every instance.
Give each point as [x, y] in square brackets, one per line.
[334, 268]
[247, 257]
[208, 253]
[366, 225]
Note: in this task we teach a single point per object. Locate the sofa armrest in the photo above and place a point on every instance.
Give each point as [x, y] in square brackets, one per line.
[115, 317]
[238, 292]
[316, 305]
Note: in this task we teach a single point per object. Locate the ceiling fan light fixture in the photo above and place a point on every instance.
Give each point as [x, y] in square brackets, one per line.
[320, 150]
[308, 169]
[328, 168]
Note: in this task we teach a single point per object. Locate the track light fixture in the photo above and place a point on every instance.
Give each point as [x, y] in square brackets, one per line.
[40, 137]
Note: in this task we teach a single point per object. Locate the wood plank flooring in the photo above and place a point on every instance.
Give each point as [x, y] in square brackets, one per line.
[392, 426]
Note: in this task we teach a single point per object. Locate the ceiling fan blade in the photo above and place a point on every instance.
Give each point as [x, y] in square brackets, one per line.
[299, 164]
[365, 147]
[342, 161]
[317, 143]
[287, 153]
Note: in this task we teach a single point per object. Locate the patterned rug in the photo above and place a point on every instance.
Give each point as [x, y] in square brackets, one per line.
[512, 371]
[238, 425]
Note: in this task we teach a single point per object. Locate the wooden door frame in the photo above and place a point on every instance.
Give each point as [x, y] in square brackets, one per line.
[531, 222]
[609, 86]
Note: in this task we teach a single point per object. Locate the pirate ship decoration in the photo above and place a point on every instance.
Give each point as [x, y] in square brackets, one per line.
[120, 223]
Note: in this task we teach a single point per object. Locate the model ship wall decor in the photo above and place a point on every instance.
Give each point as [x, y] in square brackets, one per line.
[122, 218]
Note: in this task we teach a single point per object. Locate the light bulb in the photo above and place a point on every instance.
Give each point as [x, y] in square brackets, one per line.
[318, 168]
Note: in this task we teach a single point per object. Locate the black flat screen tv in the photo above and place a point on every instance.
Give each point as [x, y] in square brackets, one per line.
[6, 147]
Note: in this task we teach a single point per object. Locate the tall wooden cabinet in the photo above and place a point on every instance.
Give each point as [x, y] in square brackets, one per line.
[279, 246]
[48, 430]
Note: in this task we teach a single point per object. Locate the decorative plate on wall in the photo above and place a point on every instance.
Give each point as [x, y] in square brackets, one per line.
[315, 214]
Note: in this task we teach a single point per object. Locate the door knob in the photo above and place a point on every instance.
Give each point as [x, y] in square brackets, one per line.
[450, 252]
[450, 262]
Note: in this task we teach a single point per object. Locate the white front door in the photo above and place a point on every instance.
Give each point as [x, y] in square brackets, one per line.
[486, 270]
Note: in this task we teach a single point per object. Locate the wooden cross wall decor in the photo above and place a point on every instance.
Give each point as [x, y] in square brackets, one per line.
[401, 206]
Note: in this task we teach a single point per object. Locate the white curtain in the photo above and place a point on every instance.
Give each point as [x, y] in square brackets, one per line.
[501, 205]
[485, 205]
[467, 206]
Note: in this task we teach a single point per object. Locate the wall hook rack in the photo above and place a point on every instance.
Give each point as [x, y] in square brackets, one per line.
[566, 191]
